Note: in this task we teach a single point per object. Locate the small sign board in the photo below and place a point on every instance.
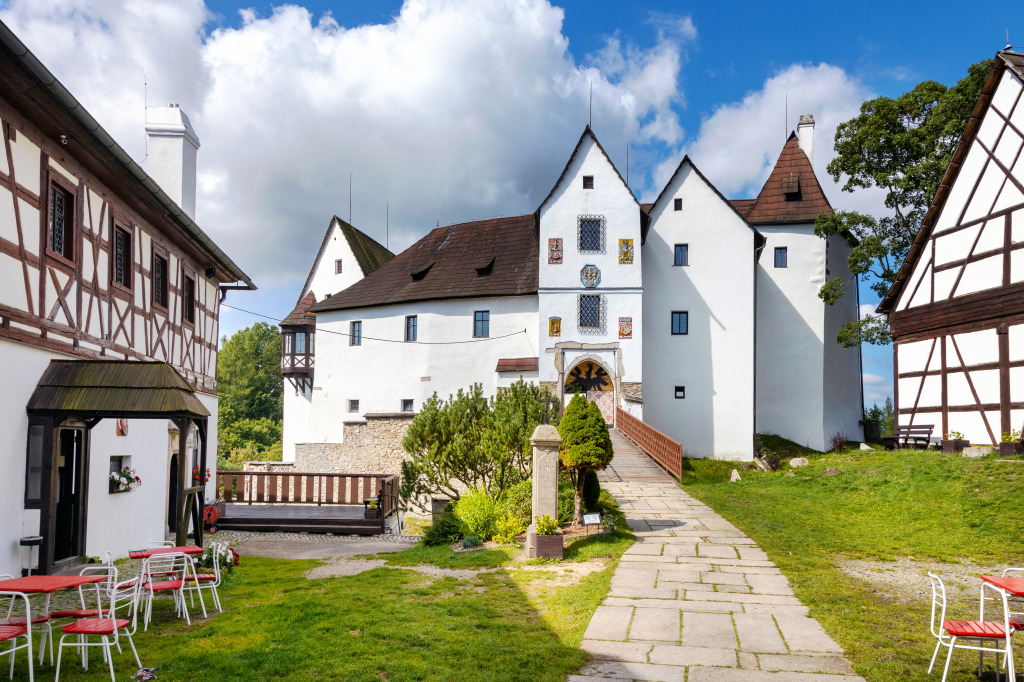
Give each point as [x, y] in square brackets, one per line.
[591, 519]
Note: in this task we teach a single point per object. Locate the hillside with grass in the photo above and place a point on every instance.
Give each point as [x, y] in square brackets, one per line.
[856, 533]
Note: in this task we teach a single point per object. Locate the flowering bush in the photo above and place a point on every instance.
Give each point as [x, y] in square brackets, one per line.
[125, 479]
[228, 559]
[198, 475]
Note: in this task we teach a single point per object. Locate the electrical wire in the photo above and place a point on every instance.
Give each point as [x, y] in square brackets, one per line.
[373, 338]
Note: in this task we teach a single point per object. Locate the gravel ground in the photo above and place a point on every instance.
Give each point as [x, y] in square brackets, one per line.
[311, 545]
[906, 580]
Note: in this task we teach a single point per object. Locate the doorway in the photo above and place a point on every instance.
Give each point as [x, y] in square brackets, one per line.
[172, 495]
[69, 517]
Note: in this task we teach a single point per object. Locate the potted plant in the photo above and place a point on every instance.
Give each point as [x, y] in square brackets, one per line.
[548, 541]
[370, 509]
[954, 441]
[1011, 445]
[124, 480]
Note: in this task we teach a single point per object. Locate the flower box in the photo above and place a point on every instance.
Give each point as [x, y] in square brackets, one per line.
[951, 446]
[1011, 449]
[371, 513]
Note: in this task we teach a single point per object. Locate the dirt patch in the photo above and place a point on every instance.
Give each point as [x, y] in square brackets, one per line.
[298, 546]
[566, 573]
[337, 569]
[907, 580]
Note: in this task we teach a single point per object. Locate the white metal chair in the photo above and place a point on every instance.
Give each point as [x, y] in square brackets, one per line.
[168, 572]
[11, 633]
[102, 591]
[119, 621]
[976, 633]
[206, 581]
[1016, 603]
[27, 620]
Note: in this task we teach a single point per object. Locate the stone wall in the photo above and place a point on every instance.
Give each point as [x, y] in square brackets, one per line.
[373, 446]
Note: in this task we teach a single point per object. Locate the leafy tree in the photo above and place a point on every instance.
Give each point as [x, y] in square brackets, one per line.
[251, 395]
[885, 416]
[903, 146]
[471, 442]
[586, 446]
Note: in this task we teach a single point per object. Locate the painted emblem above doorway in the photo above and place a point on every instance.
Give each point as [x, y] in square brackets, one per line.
[590, 276]
[555, 251]
[588, 376]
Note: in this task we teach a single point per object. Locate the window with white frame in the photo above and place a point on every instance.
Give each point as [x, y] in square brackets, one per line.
[355, 333]
[590, 233]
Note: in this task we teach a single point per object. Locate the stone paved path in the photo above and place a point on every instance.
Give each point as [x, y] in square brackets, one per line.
[695, 599]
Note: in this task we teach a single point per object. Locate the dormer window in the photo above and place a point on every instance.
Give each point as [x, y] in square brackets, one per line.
[337, 267]
[588, 182]
[791, 186]
[485, 269]
[677, 204]
[420, 274]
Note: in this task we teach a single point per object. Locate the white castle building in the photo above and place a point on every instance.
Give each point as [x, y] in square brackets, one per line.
[697, 314]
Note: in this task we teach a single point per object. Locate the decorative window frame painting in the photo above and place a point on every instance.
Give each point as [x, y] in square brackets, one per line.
[625, 252]
[555, 251]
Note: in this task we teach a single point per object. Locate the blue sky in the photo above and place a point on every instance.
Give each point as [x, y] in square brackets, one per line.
[450, 110]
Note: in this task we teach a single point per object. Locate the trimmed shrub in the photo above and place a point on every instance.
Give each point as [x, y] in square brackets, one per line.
[446, 530]
[477, 512]
[591, 491]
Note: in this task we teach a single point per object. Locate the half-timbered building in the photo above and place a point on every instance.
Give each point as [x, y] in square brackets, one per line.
[956, 309]
[109, 304]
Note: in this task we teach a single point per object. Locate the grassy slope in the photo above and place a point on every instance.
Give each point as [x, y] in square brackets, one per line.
[879, 505]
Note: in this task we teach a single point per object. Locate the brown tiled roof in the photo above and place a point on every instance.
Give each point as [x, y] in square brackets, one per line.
[792, 171]
[517, 365]
[496, 257]
[368, 252]
[301, 314]
[743, 206]
[1003, 60]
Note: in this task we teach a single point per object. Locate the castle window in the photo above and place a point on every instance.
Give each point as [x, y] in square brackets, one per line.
[682, 256]
[159, 280]
[680, 322]
[300, 343]
[590, 311]
[353, 406]
[188, 303]
[121, 267]
[407, 405]
[677, 205]
[680, 392]
[61, 226]
[337, 267]
[588, 182]
[781, 257]
[482, 323]
[355, 333]
[410, 328]
[591, 233]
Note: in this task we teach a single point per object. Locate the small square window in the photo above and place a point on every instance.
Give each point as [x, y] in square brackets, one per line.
[407, 405]
[410, 328]
[781, 257]
[680, 392]
[680, 322]
[337, 267]
[588, 182]
[677, 204]
[482, 323]
[355, 333]
[353, 406]
[682, 255]
[159, 280]
[188, 303]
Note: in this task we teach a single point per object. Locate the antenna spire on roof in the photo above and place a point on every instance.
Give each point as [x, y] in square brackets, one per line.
[590, 121]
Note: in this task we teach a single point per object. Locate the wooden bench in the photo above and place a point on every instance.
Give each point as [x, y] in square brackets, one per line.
[918, 434]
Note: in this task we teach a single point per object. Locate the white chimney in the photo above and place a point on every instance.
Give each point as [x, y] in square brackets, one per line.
[805, 135]
[171, 154]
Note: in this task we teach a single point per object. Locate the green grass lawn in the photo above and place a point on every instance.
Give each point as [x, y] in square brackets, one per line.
[876, 506]
[518, 622]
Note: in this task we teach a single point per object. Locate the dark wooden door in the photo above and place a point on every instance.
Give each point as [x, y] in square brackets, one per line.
[172, 495]
[69, 540]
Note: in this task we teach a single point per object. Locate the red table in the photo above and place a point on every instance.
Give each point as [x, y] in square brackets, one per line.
[1014, 586]
[146, 553]
[48, 584]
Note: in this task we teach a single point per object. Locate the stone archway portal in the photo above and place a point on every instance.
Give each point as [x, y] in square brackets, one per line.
[592, 380]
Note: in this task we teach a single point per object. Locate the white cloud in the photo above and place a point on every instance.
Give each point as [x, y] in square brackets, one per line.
[876, 389]
[454, 110]
[867, 309]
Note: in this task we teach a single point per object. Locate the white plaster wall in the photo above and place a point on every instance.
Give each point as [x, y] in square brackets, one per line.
[325, 281]
[790, 336]
[297, 406]
[381, 374]
[621, 285]
[506, 379]
[715, 360]
[843, 394]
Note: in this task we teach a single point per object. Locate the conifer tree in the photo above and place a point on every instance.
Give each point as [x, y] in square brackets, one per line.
[586, 446]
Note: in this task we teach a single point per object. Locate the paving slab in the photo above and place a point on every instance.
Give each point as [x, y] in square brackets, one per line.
[694, 598]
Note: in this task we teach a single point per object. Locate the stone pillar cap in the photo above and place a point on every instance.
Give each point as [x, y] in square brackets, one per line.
[545, 434]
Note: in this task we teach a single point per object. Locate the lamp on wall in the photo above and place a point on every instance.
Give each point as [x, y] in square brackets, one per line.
[210, 272]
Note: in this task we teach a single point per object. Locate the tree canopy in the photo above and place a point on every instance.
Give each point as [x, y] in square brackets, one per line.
[902, 146]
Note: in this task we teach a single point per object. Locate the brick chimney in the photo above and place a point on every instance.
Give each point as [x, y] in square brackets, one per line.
[171, 154]
[805, 135]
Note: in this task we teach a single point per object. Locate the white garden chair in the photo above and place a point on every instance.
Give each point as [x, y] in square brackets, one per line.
[168, 573]
[11, 633]
[206, 581]
[101, 591]
[969, 634]
[27, 620]
[120, 620]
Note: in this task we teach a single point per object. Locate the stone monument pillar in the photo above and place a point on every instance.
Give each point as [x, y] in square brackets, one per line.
[545, 441]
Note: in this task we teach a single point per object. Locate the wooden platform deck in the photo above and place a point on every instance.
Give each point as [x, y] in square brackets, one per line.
[299, 518]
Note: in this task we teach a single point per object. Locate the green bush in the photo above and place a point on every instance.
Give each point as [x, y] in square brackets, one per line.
[518, 501]
[471, 541]
[477, 512]
[446, 530]
[546, 525]
[507, 527]
[591, 491]
[606, 503]
[566, 502]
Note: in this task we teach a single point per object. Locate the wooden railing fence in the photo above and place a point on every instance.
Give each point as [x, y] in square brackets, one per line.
[262, 487]
[662, 449]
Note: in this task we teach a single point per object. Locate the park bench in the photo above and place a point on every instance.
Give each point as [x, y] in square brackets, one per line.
[902, 437]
